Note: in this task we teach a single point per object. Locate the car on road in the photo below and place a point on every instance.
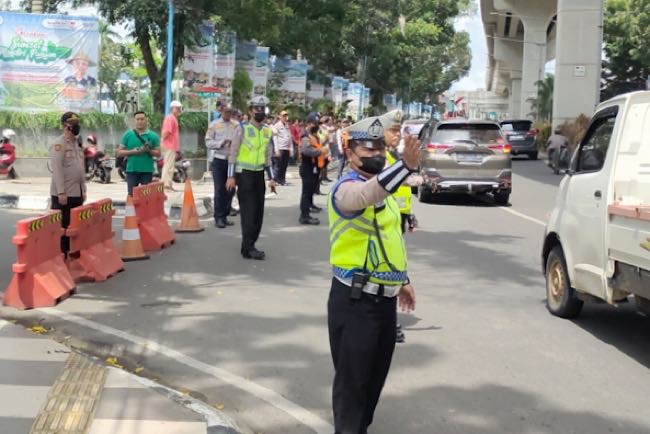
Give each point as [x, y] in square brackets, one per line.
[468, 156]
[415, 127]
[597, 242]
[521, 136]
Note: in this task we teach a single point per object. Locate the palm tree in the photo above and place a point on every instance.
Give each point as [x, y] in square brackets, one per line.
[542, 104]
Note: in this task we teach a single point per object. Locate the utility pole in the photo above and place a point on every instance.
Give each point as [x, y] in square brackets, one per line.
[170, 56]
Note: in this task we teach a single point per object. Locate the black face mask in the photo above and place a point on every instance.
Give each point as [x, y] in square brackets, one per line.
[313, 130]
[259, 116]
[373, 165]
[75, 129]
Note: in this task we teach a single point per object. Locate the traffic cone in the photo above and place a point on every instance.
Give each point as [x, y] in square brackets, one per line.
[189, 216]
[131, 244]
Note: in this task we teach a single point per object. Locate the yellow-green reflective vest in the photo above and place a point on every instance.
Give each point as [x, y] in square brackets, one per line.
[353, 240]
[404, 193]
[253, 149]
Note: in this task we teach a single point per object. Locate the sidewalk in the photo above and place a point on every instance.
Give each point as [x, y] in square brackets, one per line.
[34, 194]
[45, 388]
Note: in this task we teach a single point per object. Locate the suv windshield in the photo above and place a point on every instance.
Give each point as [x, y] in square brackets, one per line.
[516, 126]
[479, 133]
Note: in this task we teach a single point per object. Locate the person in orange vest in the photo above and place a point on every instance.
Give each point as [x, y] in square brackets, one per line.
[313, 155]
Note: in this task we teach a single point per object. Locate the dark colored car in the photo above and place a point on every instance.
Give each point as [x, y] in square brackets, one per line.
[466, 156]
[519, 134]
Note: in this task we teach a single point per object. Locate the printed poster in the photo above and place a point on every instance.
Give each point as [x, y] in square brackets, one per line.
[261, 71]
[48, 62]
[225, 48]
[198, 66]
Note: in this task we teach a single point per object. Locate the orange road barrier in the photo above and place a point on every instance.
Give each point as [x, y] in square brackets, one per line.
[131, 249]
[40, 277]
[149, 202]
[92, 253]
[189, 215]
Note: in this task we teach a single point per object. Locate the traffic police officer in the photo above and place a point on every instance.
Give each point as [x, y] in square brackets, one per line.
[368, 256]
[68, 186]
[246, 165]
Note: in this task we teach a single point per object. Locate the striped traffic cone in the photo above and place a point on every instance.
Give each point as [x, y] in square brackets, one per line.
[189, 215]
[131, 249]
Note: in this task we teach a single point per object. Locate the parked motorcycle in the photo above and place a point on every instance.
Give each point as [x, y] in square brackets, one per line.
[8, 155]
[97, 165]
[181, 168]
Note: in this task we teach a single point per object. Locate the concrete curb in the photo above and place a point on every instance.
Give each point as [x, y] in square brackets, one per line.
[42, 203]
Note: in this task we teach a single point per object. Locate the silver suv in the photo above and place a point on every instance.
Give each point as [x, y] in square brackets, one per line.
[466, 156]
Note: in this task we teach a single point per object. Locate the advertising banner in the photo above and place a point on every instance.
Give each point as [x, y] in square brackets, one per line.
[198, 66]
[316, 91]
[261, 71]
[246, 57]
[294, 80]
[48, 62]
[355, 91]
[338, 86]
[390, 101]
[225, 48]
[366, 98]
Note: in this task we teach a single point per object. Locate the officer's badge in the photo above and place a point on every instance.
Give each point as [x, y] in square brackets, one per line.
[57, 148]
[398, 117]
[251, 132]
[376, 129]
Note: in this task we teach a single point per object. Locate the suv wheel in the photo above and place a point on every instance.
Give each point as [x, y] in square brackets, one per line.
[533, 155]
[502, 198]
[561, 299]
[424, 194]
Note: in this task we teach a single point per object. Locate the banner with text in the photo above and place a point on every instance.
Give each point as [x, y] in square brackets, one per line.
[198, 66]
[48, 62]
[225, 48]
[261, 71]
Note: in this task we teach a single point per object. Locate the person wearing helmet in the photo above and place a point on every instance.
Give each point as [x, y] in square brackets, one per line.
[369, 265]
[8, 154]
[249, 158]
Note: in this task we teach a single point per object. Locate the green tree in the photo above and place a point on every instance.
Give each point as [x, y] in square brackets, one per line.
[626, 36]
[111, 58]
[242, 86]
[542, 104]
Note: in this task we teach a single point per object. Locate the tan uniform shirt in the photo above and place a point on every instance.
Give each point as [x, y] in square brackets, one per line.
[351, 197]
[218, 133]
[68, 169]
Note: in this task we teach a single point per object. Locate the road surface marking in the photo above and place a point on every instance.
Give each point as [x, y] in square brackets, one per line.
[523, 216]
[275, 399]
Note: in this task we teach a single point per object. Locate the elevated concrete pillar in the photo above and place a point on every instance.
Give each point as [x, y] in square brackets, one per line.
[535, 16]
[578, 59]
[515, 96]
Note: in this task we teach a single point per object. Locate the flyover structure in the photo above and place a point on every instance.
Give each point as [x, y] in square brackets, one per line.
[523, 35]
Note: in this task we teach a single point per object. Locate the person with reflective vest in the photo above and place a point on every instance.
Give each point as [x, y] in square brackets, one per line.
[248, 160]
[312, 161]
[369, 263]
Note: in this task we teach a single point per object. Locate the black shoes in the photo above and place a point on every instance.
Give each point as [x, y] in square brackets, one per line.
[222, 223]
[254, 254]
[308, 220]
[315, 209]
[400, 338]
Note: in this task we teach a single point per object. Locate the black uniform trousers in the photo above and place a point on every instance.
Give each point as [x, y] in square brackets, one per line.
[310, 181]
[222, 197]
[250, 192]
[281, 164]
[73, 202]
[362, 341]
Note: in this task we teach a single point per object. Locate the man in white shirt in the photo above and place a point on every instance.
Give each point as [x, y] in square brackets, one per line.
[221, 135]
[282, 147]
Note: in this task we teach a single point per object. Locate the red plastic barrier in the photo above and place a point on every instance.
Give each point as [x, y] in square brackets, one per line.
[40, 278]
[92, 253]
[149, 203]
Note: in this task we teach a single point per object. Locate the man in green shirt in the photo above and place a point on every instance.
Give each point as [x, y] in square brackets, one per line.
[140, 145]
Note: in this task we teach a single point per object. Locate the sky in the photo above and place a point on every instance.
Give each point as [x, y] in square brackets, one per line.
[476, 77]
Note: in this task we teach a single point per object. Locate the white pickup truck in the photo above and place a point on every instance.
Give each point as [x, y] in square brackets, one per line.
[597, 242]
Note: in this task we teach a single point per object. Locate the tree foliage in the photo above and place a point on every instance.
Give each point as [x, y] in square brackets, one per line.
[542, 104]
[626, 36]
[242, 86]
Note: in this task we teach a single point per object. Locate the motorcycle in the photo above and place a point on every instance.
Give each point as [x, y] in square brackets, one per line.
[559, 159]
[181, 167]
[96, 163]
[8, 155]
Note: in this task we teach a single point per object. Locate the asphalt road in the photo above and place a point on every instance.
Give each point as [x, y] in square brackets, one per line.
[482, 355]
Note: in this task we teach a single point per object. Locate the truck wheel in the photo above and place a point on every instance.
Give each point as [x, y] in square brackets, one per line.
[502, 198]
[560, 297]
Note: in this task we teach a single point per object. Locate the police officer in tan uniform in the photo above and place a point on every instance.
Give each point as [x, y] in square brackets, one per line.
[68, 187]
